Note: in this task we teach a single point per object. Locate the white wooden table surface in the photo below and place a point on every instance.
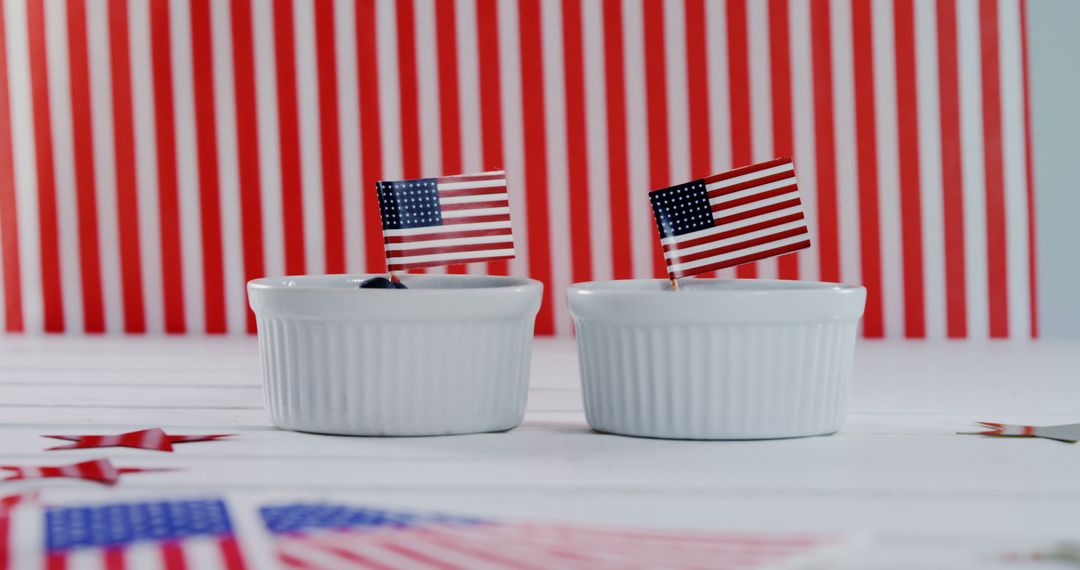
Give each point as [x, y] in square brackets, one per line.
[929, 498]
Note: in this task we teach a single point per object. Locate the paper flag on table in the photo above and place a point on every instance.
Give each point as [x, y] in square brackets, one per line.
[99, 470]
[728, 219]
[153, 438]
[311, 535]
[442, 221]
[180, 534]
[1069, 433]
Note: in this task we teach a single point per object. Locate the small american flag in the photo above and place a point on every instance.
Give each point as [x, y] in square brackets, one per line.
[442, 221]
[728, 219]
[170, 534]
[308, 535]
[98, 470]
[153, 438]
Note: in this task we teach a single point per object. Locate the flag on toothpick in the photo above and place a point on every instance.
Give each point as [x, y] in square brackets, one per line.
[153, 438]
[442, 221]
[98, 470]
[1069, 433]
[728, 219]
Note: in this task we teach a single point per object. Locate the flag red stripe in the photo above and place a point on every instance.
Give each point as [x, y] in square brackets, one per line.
[292, 199]
[952, 174]
[908, 148]
[112, 557]
[9, 220]
[172, 272]
[5, 518]
[739, 96]
[475, 205]
[447, 235]
[230, 553]
[472, 191]
[745, 259]
[758, 211]
[209, 196]
[172, 556]
[656, 109]
[535, 147]
[355, 558]
[85, 186]
[866, 163]
[472, 178]
[1029, 176]
[736, 232]
[477, 219]
[46, 176]
[619, 186]
[697, 85]
[737, 246]
[403, 267]
[789, 189]
[247, 144]
[828, 243]
[744, 170]
[449, 105]
[996, 262]
[487, 31]
[370, 132]
[333, 211]
[752, 184]
[407, 89]
[577, 157]
[780, 82]
[127, 193]
[55, 561]
[398, 254]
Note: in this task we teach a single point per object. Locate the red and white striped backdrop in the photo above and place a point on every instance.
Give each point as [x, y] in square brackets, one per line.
[155, 154]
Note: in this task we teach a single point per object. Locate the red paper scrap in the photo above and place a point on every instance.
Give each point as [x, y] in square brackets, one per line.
[98, 470]
[1069, 433]
[153, 438]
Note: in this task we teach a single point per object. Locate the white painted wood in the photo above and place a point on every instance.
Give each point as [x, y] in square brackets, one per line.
[930, 498]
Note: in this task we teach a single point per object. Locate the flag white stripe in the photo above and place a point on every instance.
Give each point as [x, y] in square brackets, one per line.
[56, 49]
[737, 254]
[888, 169]
[348, 98]
[24, 158]
[971, 135]
[685, 251]
[729, 182]
[725, 198]
[97, 36]
[558, 177]
[307, 101]
[446, 229]
[472, 198]
[802, 81]
[933, 217]
[678, 113]
[428, 88]
[512, 114]
[733, 225]
[262, 16]
[477, 212]
[506, 238]
[404, 259]
[187, 167]
[761, 119]
[642, 228]
[1012, 140]
[592, 26]
[146, 167]
[228, 166]
[847, 186]
[389, 88]
[785, 197]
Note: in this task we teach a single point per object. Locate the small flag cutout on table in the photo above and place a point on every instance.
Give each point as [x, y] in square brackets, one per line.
[179, 534]
[728, 219]
[442, 221]
[1069, 433]
[313, 535]
[97, 470]
[153, 438]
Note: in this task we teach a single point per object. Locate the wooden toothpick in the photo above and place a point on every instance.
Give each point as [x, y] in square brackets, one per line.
[674, 284]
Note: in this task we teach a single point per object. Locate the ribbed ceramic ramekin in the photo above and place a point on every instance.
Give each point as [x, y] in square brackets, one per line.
[718, 359]
[448, 355]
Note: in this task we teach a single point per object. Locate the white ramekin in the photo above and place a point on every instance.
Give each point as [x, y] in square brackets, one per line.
[449, 355]
[719, 359]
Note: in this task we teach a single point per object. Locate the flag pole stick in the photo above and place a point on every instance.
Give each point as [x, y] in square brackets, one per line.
[394, 277]
[674, 284]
